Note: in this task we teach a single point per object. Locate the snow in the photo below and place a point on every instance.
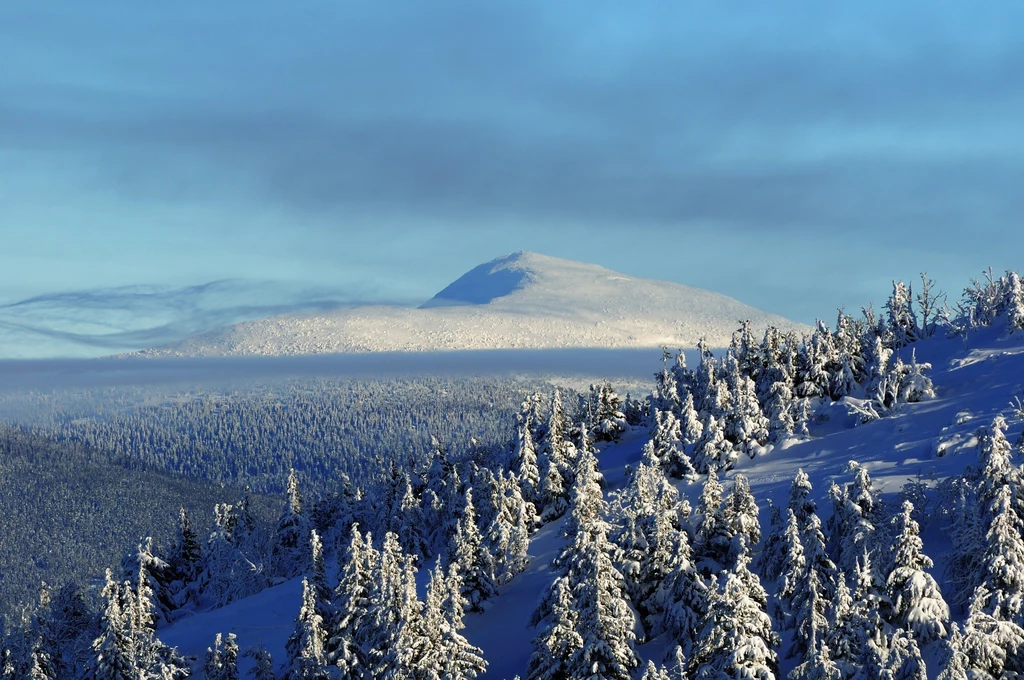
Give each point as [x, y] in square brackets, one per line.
[522, 300]
[894, 450]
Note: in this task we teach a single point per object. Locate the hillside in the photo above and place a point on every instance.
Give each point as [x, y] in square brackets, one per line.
[972, 387]
[520, 301]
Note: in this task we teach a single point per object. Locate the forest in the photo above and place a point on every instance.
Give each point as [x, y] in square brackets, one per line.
[837, 590]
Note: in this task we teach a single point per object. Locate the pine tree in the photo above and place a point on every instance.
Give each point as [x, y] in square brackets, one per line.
[854, 513]
[713, 451]
[916, 602]
[609, 420]
[773, 553]
[386, 634]
[683, 596]
[652, 672]
[292, 531]
[779, 409]
[463, 661]
[902, 320]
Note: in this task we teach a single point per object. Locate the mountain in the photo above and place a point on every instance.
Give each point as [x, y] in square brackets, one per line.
[520, 301]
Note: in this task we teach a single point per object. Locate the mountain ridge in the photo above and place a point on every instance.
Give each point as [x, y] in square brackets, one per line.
[517, 301]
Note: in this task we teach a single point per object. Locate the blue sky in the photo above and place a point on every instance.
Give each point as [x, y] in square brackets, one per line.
[794, 155]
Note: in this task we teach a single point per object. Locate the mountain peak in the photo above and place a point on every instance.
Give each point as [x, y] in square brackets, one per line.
[505, 275]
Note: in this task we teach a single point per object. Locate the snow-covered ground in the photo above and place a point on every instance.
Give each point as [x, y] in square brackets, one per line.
[972, 387]
[520, 301]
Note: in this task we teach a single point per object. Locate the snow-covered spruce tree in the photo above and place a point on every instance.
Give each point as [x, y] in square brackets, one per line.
[184, 560]
[690, 426]
[652, 672]
[351, 602]
[683, 596]
[666, 395]
[791, 571]
[736, 639]
[954, 663]
[305, 647]
[773, 552]
[916, 603]
[558, 641]
[1013, 301]
[263, 663]
[740, 514]
[848, 368]
[152, 575]
[667, 446]
[812, 378]
[713, 540]
[854, 513]
[800, 498]
[474, 561]
[507, 536]
[994, 647]
[813, 589]
[745, 424]
[231, 568]
[902, 320]
[221, 659]
[647, 513]
[609, 420]
[997, 468]
[113, 651]
[387, 632]
[779, 409]
[292, 532]
[965, 569]
[524, 455]
[69, 628]
[407, 520]
[606, 620]
[842, 634]
[714, 451]
[676, 665]
[462, 660]
[1004, 556]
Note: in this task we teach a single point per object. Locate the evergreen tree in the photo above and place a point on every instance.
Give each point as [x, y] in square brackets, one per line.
[737, 640]
[773, 553]
[1004, 556]
[606, 620]
[463, 661]
[386, 635]
[713, 451]
[954, 662]
[779, 408]
[799, 498]
[994, 647]
[184, 562]
[714, 541]
[683, 596]
[916, 602]
[222, 659]
[558, 643]
[524, 456]
[902, 320]
[854, 513]
[305, 647]
[690, 426]
[677, 666]
[263, 664]
[667, 446]
[292, 532]
[351, 602]
[791, 571]
[609, 422]
[740, 516]
[474, 562]
[114, 653]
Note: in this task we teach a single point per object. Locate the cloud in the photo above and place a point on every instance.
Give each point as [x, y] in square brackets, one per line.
[105, 321]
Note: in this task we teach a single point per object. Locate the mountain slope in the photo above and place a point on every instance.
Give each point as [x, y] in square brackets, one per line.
[523, 300]
[972, 388]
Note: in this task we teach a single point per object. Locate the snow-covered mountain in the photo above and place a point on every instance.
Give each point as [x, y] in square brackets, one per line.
[522, 300]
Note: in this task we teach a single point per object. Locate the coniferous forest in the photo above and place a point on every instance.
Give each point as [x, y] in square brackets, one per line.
[403, 511]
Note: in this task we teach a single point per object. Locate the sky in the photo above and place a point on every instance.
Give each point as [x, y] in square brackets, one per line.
[797, 156]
